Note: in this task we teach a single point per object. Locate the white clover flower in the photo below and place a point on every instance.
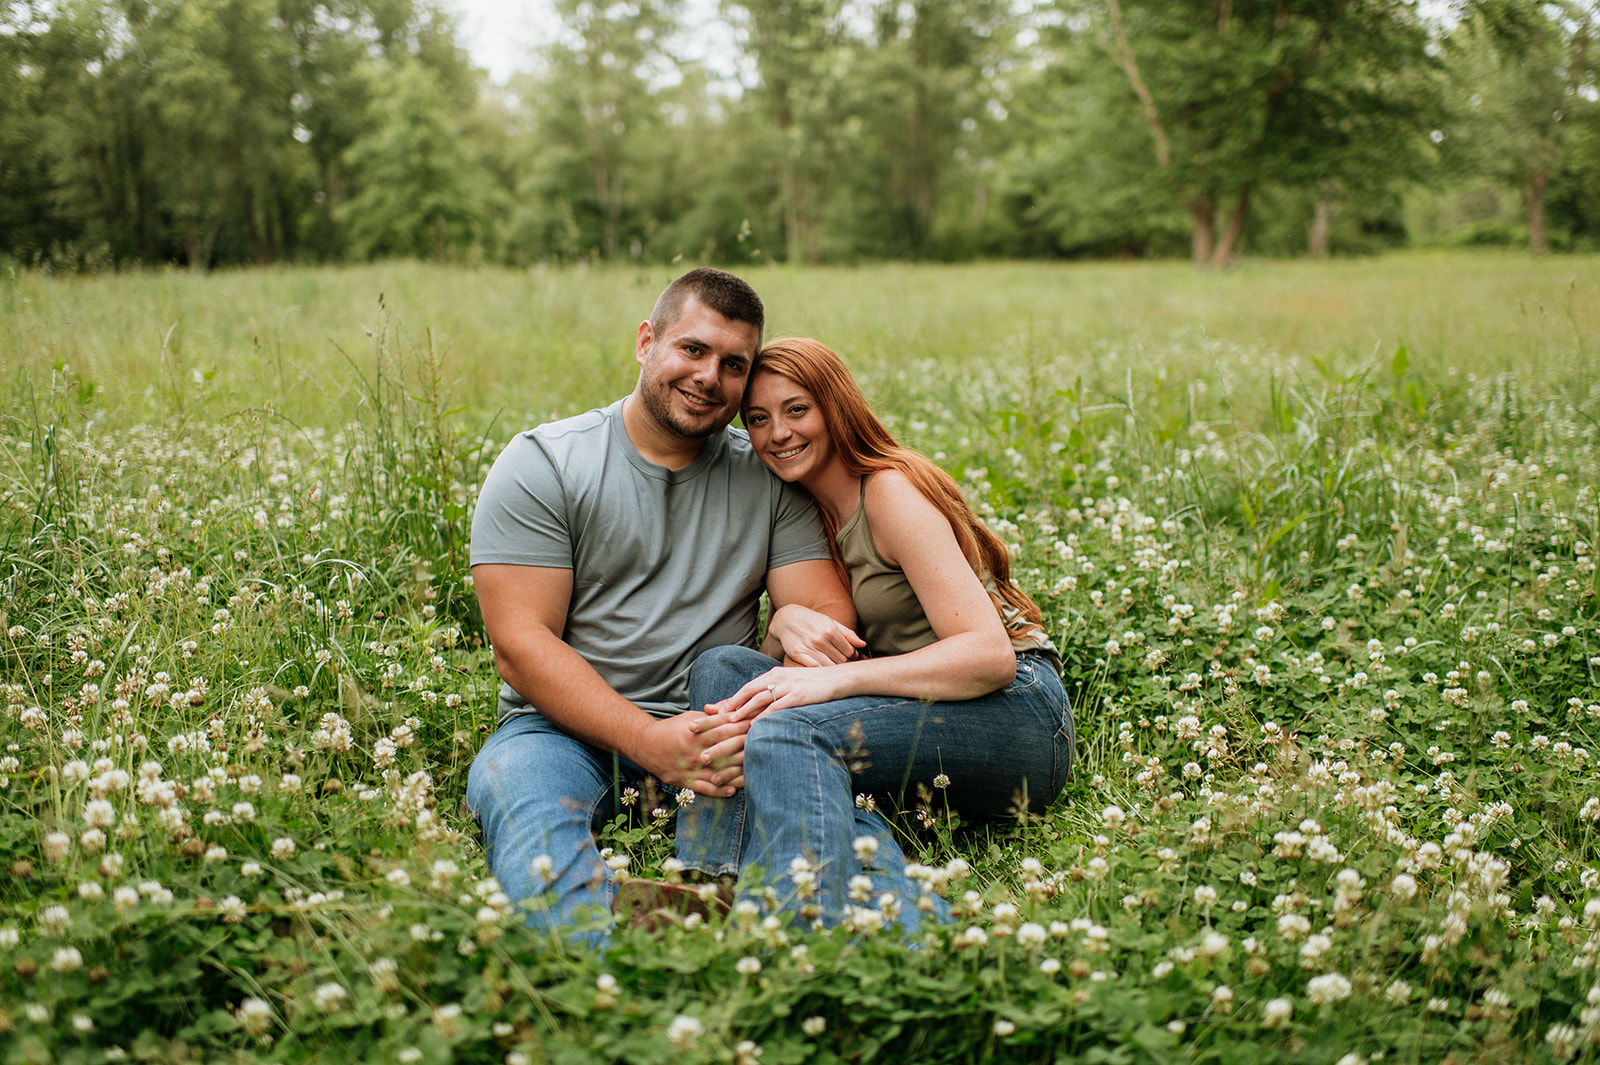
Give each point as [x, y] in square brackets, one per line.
[1112, 817]
[866, 848]
[747, 966]
[685, 1031]
[232, 909]
[282, 849]
[98, 813]
[1031, 936]
[66, 960]
[1003, 1027]
[57, 845]
[254, 1015]
[1327, 988]
[1050, 966]
[1277, 1012]
[330, 997]
[814, 1026]
[54, 920]
[1205, 895]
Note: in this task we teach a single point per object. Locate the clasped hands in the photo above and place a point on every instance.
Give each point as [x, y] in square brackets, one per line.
[705, 751]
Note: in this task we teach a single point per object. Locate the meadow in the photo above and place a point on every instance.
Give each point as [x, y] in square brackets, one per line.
[1317, 541]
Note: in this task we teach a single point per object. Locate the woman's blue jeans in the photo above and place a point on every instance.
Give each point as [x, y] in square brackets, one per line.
[1004, 754]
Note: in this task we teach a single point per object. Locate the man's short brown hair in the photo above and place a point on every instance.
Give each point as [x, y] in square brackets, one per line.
[730, 296]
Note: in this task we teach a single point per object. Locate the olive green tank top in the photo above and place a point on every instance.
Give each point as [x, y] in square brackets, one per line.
[888, 614]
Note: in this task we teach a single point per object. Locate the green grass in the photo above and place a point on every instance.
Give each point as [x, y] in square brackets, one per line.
[1317, 541]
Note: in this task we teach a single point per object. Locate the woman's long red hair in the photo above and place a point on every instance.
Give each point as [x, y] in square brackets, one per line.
[866, 446]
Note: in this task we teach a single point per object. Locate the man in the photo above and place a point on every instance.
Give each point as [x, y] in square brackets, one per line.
[608, 551]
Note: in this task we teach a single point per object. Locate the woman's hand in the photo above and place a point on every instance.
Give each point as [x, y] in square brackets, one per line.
[779, 688]
[809, 638]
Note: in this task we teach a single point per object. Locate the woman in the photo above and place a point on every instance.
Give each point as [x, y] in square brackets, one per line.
[951, 684]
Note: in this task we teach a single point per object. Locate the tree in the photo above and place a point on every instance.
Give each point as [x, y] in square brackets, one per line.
[1524, 71]
[420, 193]
[1232, 94]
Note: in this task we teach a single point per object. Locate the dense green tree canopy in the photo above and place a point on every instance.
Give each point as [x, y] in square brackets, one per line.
[209, 132]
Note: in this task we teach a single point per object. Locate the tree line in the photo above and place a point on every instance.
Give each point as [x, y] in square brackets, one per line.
[213, 132]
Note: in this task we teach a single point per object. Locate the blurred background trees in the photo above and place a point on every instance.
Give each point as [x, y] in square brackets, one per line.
[215, 132]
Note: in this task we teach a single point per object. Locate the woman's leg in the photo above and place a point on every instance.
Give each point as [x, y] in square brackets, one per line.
[1003, 754]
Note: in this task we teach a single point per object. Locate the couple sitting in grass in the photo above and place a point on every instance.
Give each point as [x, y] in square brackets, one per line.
[619, 558]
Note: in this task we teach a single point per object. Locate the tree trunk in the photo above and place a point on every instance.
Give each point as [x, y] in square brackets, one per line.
[1222, 255]
[1321, 219]
[1203, 213]
[1535, 204]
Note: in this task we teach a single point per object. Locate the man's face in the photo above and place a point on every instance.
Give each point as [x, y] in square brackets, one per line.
[692, 373]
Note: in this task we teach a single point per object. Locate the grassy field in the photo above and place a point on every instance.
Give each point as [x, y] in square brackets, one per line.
[1317, 541]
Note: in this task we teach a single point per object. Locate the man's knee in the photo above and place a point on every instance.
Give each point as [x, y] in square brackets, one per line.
[721, 671]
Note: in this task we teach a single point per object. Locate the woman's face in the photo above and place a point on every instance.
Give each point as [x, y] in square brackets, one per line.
[786, 427]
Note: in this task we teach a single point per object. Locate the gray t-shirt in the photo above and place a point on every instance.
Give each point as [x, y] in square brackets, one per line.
[665, 563]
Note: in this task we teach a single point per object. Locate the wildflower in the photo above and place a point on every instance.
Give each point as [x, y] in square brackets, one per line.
[1222, 999]
[866, 848]
[232, 909]
[1276, 1013]
[684, 1031]
[814, 1026]
[1205, 895]
[1327, 989]
[747, 966]
[1031, 936]
[330, 998]
[57, 845]
[941, 781]
[1403, 887]
[447, 1018]
[54, 920]
[98, 813]
[1112, 817]
[747, 1052]
[282, 849]
[385, 975]
[1003, 1027]
[66, 960]
[1563, 1040]
[254, 1015]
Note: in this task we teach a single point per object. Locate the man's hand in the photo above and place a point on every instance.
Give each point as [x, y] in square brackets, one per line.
[693, 750]
[809, 637]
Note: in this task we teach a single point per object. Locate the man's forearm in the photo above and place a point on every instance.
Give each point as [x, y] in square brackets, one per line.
[565, 688]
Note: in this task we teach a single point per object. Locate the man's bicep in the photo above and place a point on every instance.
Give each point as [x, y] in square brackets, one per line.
[518, 599]
[814, 583]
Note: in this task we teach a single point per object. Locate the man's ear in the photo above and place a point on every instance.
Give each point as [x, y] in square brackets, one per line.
[641, 345]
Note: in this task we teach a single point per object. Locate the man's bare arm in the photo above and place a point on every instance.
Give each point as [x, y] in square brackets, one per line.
[813, 592]
[525, 613]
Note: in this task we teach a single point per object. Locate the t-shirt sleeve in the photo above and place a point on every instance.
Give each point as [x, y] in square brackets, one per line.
[797, 534]
[521, 517]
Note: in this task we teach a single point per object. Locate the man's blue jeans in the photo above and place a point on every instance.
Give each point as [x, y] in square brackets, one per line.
[1004, 754]
[540, 794]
